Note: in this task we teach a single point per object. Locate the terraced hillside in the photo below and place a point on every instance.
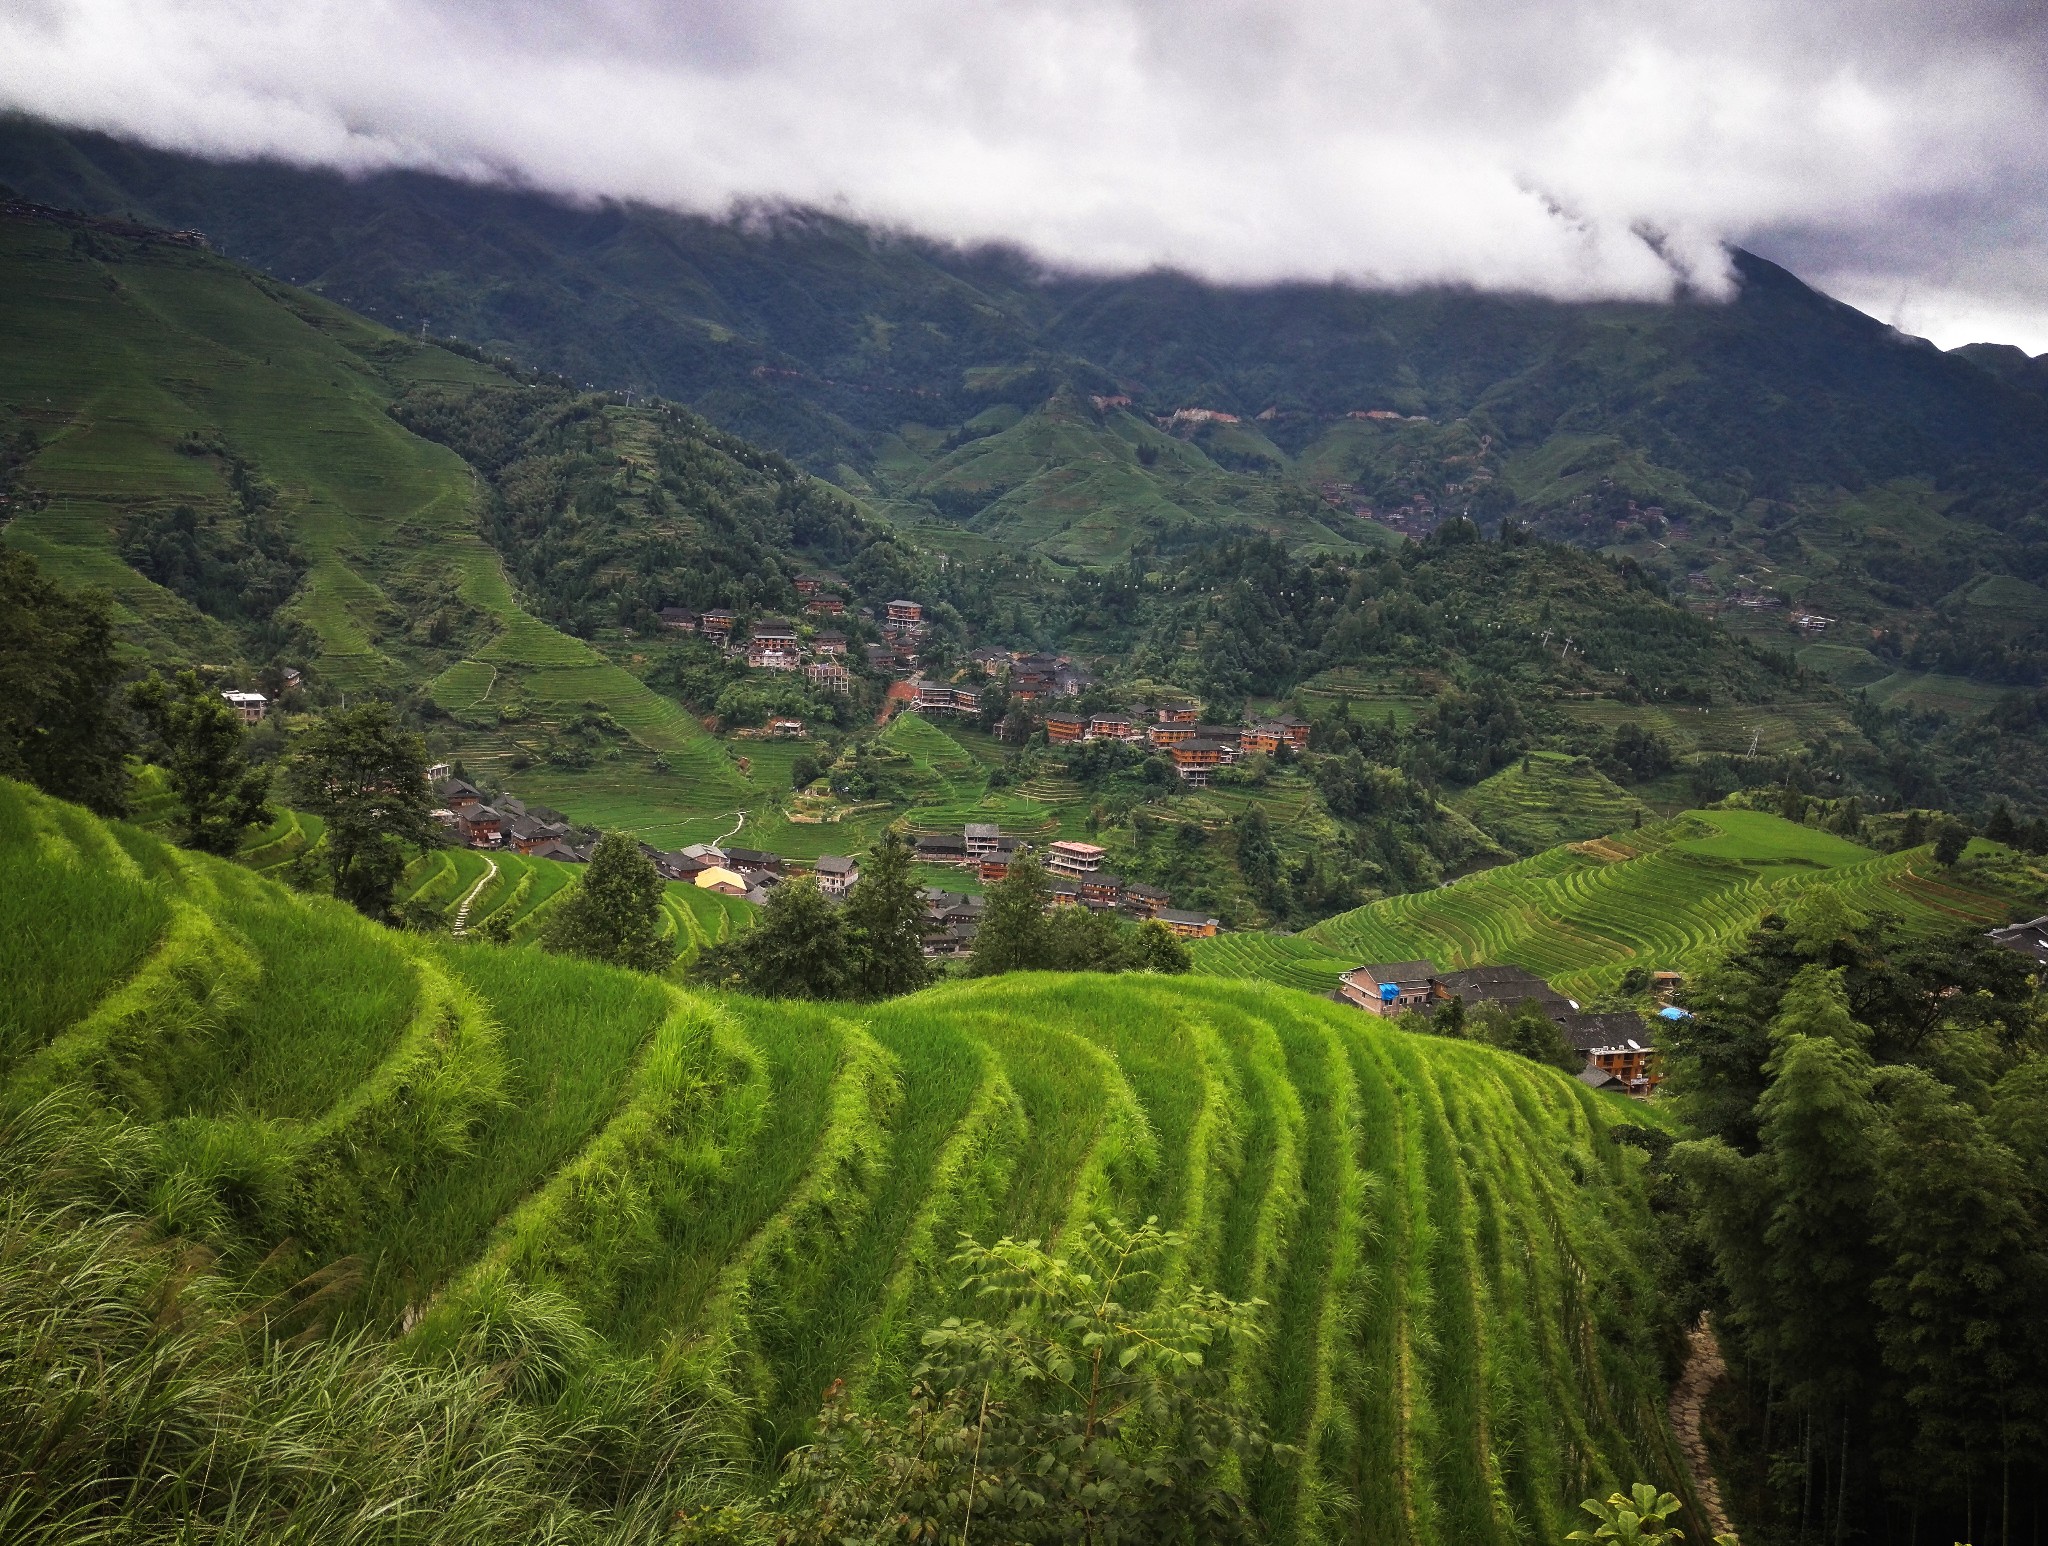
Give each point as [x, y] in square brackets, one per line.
[759, 1198]
[1666, 897]
[470, 887]
[157, 385]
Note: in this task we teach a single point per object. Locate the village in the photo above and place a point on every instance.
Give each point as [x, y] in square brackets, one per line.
[1618, 1047]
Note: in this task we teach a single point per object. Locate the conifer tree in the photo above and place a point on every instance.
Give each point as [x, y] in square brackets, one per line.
[2001, 828]
[614, 914]
[884, 923]
[1950, 841]
[204, 749]
[1257, 859]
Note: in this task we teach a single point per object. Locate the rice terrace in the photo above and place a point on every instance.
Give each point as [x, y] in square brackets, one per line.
[995, 776]
[1443, 1236]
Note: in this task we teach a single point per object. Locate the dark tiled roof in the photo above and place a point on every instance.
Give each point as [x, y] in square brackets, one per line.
[1593, 1032]
[1394, 971]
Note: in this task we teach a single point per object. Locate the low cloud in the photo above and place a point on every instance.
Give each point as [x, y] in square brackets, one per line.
[1894, 153]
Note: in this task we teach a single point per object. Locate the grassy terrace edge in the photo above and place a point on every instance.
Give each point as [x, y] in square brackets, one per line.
[760, 1195]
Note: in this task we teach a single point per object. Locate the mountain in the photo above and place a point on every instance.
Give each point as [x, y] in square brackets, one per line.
[659, 1225]
[1780, 443]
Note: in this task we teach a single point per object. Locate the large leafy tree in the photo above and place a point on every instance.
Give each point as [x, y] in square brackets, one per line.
[884, 922]
[1091, 1404]
[1156, 948]
[365, 775]
[614, 913]
[203, 747]
[797, 950]
[1012, 935]
[62, 725]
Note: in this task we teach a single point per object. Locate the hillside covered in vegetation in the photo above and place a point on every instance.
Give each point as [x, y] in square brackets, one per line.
[660, 1225]
[1780, 447]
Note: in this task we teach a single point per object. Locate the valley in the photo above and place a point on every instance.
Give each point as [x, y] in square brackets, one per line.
[1510, 829]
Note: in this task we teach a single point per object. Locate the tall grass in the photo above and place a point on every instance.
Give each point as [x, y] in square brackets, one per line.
[568, 1032]
[73, 925]
[334, 995]
[609, 1195]
[704, 1229]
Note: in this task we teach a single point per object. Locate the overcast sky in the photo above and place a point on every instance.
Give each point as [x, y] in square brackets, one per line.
[1894, 154]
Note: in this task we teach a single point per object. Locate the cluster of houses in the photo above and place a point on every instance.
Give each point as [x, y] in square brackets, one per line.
[1033, 676]
[505, 823]
[1176, 731]
[1618, 1049]
[771, 644]
[1074, 870]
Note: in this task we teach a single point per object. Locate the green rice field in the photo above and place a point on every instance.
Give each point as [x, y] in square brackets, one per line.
[764, 1196]
[1668, 897]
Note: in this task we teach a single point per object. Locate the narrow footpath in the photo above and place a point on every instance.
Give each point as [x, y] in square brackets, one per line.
[1704, 1370]
[462, 908]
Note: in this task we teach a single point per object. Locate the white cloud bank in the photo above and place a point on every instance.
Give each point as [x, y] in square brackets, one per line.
[1896, 154]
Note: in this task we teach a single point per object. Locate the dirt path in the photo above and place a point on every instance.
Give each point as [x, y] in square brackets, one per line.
[1703, 1371]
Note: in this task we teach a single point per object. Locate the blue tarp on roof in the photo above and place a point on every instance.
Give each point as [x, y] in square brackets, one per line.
[1673, 1012]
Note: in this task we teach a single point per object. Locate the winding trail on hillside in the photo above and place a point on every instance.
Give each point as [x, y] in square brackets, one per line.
[719, 842]
[1704, 1370]
[461, 925]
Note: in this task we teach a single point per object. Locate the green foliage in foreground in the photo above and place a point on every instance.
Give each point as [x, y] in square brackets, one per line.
[1092, 1406]
[1642, 1516]
[639, 1221]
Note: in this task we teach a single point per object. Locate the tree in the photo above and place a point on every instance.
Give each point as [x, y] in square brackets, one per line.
[1956, 1317]
[796, 950]
[1257, 859]
[1081, 939]
[1448, 1018]
[1913, 831]
[62, 726]
[1093, 1405]
[365, 775]
[201, 743]
[614, 913]
[1529, 1033]
[1950, 841]
[2001, 828]
[803, 771]
[1011, 937]
[884, 922]
[1156, 948]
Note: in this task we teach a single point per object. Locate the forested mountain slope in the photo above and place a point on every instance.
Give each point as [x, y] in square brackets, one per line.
[618, 1195]
[1780, 443]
